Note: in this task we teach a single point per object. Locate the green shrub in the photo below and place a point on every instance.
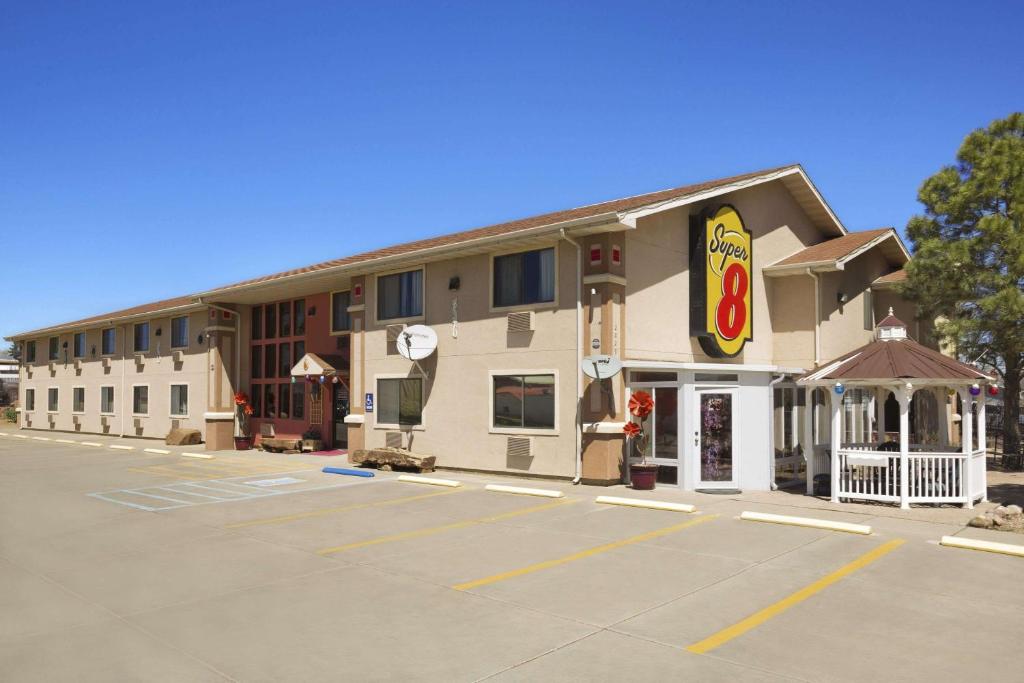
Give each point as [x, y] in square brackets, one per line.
[10, 414]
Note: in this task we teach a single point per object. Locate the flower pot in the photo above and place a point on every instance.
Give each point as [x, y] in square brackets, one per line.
[243, 443]
[643, 476]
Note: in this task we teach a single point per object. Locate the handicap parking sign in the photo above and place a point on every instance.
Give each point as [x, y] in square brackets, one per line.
[369, 403]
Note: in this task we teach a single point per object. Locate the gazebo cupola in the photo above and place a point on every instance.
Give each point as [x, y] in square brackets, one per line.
[891, 327]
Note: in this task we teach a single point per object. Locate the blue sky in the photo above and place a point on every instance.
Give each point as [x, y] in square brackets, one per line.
[149, 150]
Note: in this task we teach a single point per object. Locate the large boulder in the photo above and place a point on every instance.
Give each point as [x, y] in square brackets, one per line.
[183, 437]
[387, 458]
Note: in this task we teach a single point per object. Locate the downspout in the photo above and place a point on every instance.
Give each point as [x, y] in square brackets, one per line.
[817, 317]
[579, 355]
[771, 432]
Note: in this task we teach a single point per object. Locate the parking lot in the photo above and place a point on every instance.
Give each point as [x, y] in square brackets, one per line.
[132, 565]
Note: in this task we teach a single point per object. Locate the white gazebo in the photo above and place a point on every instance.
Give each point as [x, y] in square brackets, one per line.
[866, 457]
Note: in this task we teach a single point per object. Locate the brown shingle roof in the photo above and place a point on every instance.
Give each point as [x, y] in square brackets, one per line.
[833, 249]
[892, 278]
[896, 359]
[141, 309]
[509, 228]
[499, 229]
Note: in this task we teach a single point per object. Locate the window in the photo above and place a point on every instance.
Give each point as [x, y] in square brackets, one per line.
[78, 400]
[270, 321]
[299, 317]
[269, 360]
[341, 321]
[30, 352]
[285, 316]
[400, 295]
[524, 401]
[300, 351]
[525, 278]
[140, 400]
[54, 343]
[141, 338]
[106, 400]
[257, 322]
[179, 332]
[256, 362]
[646, 377]
[108, 341]
[857, 421]
[284, 392]
[269, 404]
[179, 400]
[284, 360]
[30, 399]
[400, 401]
[298, 400]
[256, 400]
[79, 348]
[52, 399]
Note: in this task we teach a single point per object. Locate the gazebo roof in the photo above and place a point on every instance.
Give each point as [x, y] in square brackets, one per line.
[894, 356]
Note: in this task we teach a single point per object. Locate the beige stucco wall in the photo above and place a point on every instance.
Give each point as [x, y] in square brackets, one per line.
[657, 270]
[456, 415]
[122, 372]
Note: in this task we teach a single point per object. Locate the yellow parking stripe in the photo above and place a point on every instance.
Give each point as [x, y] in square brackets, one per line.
[418, 533]
[590, 552]
[330, 511]
[758, 618]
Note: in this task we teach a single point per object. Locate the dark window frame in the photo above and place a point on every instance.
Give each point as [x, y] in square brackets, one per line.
[524, 399]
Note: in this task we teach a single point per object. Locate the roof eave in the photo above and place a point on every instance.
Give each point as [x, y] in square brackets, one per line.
[104, 322]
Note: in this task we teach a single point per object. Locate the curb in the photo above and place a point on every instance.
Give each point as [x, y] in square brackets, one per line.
[648, 504]
[809, 522]
[543, 493]
[429, 481]
[984, 546]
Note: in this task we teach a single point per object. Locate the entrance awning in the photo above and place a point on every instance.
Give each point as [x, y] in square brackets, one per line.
[314, 365]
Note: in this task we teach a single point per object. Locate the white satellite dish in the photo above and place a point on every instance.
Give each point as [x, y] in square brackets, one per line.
[601, 367]
[416, 342]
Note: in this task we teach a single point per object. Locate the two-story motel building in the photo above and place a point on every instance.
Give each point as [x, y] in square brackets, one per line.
[715, 296]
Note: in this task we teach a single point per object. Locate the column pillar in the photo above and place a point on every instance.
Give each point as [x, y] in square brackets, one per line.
[942, 402]
[983, 445]
[602, 404]
[356, 419]
[808, 437]
[903, 395]
[881, 396]
[837, 435]
[221, 337]
[966, 437]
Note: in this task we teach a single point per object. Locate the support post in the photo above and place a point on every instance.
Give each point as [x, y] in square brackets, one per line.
[808, 437]
[903, 395]
[837, 435]
[881, 395]
[966, 437]
[983, 445]
[942, 401]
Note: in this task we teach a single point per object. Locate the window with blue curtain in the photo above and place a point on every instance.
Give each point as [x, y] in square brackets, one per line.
[524, 278]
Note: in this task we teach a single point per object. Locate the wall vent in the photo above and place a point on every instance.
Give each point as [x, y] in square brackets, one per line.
[520, 321]
[175, 424]
[519, 447]
[138, 423]
[393, 439]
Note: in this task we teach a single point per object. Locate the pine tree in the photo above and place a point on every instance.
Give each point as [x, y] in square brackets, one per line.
[968, 265]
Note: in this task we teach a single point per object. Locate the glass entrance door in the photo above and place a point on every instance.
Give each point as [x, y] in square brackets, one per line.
[339, 410]
[714, 438]
[662, 425]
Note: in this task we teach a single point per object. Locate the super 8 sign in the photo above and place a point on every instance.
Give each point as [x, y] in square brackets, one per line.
[721, 256]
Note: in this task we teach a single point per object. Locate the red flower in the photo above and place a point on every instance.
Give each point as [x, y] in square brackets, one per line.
[241, 398]
[631, 429]
[641, 404]
[247, 409]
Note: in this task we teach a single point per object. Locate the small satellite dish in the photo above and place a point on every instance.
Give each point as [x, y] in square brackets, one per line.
[416, 342]
[601, 367]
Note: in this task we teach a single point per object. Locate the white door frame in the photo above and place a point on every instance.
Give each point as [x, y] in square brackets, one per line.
[693, 442]
[678, 385]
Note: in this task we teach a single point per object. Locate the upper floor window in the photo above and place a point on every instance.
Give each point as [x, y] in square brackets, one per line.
[400, 295]
[524, 278]
[341, 320]
[108, 341]
[285, 317]
[299, 317]
[54, 348]
[79, 345]
[141, 337]
[30, 352]
[270, 321]
[179, 332]
[257, 322]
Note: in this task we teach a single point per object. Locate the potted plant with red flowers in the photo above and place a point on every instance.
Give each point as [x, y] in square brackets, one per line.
[642, 474]
[243, 441]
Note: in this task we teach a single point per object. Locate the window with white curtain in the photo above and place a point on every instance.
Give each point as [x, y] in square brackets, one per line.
[179, 400]
[857, 418]
[524, 278]
[400, 295]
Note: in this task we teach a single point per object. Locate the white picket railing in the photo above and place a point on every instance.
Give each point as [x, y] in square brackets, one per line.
[932, 477]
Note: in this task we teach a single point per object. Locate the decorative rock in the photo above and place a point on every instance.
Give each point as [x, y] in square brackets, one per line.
[392, 457]
[1014, 510]
[1001, 510]
[981, 522]
[998, 521]
[183, 437]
